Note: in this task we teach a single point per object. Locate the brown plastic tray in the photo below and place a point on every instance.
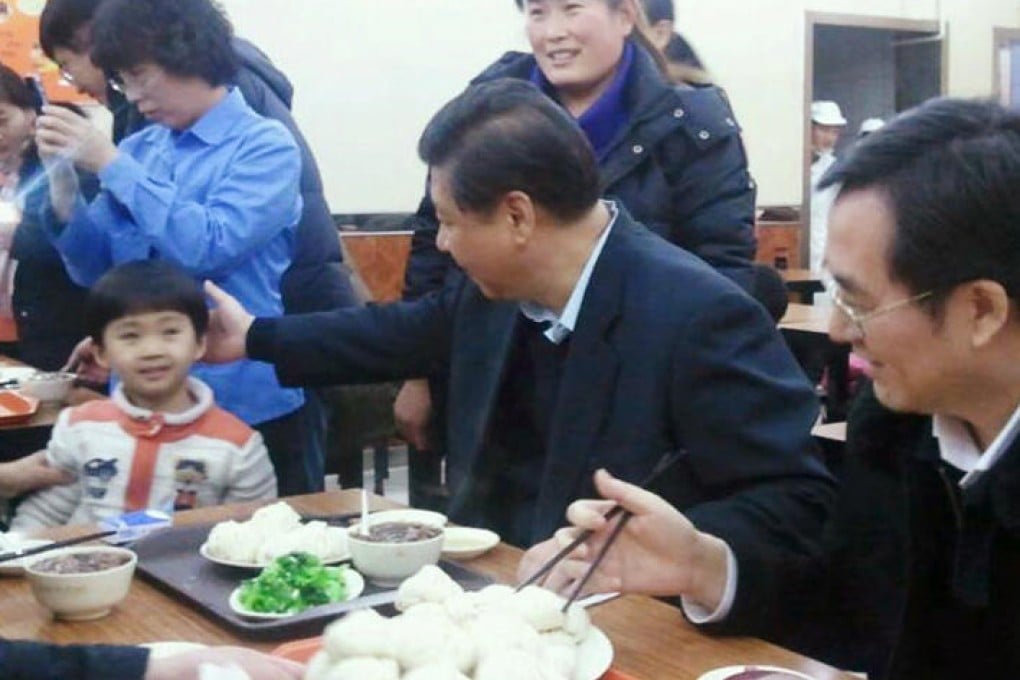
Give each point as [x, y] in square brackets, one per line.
[170, 559]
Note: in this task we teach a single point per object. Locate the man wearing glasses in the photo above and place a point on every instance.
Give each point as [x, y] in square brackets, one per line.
[919, 578]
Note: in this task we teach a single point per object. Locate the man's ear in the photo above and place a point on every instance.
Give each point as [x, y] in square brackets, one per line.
[988, 309]
[520, 214]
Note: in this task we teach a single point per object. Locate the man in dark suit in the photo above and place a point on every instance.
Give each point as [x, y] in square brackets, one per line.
[576, 340]
[919, 573]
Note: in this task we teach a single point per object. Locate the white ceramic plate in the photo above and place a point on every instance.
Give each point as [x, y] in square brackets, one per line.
[163, 649]
[203, 550]
[594, 656]
[352, 579]
[767, 673]
[17, 567]
[464, 543]
[18, 373]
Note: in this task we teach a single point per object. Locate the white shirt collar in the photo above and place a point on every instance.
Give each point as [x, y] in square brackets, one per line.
[201, 393]
[957, 446]
[563, 324]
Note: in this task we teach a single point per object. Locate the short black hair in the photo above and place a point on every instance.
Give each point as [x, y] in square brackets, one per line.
[950, 171]
[14, 91]
[144, 286]
[60, 22]
[506, 135]
[187, 38]
[659, 10]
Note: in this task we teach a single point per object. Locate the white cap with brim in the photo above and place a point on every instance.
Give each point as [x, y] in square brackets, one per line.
[871, 125]
[827, 113]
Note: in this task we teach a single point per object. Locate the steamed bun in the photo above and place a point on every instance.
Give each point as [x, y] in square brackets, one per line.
[435, 671]
[514, 664]
[430, 584]
[364, 668]
[361, 633]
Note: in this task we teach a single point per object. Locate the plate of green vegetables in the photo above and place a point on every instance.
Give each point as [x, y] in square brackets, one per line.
[292, 583]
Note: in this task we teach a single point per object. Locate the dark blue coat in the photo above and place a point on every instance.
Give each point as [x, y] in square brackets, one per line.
[315, 280]
[666, 355]
[678, 166]
[917, 578]
[23, 659]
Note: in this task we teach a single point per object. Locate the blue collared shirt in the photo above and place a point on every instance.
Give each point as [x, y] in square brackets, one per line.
[563, 324]
[221, 199]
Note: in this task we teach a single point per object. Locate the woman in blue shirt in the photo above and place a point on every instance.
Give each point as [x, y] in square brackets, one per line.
[211, 185]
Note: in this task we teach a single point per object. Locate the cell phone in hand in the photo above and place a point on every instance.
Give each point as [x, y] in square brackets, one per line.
[39, 99]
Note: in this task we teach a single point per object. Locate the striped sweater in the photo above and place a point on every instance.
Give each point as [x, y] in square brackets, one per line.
[126, 458]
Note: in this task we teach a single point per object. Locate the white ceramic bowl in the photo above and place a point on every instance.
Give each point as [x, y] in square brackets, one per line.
[430, 517]
[81, 596]
[388, 564]
[48, 386]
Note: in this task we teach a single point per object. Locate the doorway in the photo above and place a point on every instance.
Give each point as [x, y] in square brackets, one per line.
[872, 68]
[1007, 66]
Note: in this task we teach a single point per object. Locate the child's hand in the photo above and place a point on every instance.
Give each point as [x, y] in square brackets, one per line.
[83, 363]
[228, 327]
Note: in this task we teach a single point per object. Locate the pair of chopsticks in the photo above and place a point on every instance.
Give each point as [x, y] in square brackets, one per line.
[666, 462]
[18, 554]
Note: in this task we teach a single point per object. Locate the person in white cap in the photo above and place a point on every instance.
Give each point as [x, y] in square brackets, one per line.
[827, 123]
[868, 126]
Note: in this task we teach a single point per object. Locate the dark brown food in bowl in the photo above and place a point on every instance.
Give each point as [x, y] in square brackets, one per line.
[400, 532]
[81, 563]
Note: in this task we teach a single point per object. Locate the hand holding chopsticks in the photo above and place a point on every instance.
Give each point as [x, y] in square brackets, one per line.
[655, 549]
[664, 463]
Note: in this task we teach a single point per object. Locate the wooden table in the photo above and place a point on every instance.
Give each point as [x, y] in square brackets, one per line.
[803, 283]
[47, 412]
[806, 329]
[651, 639]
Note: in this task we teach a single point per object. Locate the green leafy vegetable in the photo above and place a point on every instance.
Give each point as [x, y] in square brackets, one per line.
[292, 584]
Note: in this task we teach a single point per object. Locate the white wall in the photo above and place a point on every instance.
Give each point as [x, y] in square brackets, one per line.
[369, 73]
[755, 49]
[368, 76]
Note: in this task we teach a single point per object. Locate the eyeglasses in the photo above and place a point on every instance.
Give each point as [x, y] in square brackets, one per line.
[66, 76]
[116, 83]
[856, 318]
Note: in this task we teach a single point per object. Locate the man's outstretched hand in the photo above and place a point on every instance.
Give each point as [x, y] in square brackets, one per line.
[228, 327]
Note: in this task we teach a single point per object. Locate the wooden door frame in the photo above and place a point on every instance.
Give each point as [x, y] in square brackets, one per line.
[813, 19]
[1001, 37]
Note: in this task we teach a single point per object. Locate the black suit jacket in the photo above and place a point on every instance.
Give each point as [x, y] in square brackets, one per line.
[917, 578]
[667, 354]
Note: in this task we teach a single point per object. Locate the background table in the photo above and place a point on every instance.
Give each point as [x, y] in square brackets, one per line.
[650, 638]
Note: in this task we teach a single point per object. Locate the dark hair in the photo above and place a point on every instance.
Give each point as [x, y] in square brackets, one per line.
[14, 91]
[505, 135]
[679, 51]
[187, 38]
[659, 10]
[144, 286]
[769, 289]
[60, 22]
[950, 170]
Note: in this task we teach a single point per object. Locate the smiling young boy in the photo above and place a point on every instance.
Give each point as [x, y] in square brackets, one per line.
[160, 441]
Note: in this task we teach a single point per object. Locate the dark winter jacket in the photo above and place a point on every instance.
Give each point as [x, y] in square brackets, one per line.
[678, 166]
